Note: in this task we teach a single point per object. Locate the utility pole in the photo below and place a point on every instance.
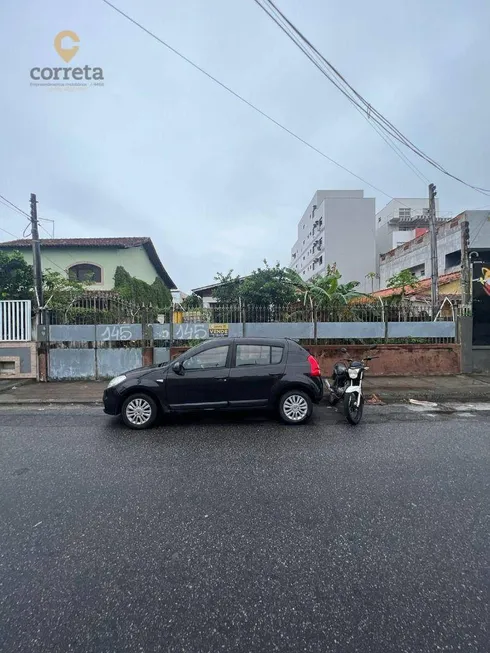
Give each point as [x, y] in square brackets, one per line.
[465, 262]
[36, 255]
[433, 250]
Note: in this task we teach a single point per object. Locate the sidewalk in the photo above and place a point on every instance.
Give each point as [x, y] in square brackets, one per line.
[390, 389]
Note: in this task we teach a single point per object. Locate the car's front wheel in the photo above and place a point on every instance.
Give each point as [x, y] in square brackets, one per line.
[139, 411]
[295, 407]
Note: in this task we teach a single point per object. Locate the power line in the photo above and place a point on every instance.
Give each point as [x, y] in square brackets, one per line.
[14, 206]
[242, 99]
[349, 91]
[44, 255]
[45, 230]
[10, 233]
[17, 238]
[317, 61]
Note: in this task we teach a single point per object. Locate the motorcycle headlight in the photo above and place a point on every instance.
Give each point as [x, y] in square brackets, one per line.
[116, 380]
[353, 373]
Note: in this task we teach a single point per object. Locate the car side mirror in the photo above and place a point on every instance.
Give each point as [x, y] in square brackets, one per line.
[178, 368]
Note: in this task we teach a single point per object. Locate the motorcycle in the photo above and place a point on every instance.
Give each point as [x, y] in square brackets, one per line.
[346, 385]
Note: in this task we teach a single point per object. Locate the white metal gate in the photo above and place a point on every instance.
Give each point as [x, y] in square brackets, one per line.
[15, 320]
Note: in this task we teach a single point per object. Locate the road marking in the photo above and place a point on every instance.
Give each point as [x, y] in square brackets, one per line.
[470, 407]
[461, 410]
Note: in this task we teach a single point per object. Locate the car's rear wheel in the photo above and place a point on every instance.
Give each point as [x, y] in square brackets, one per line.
[139, 411]
[295, 407]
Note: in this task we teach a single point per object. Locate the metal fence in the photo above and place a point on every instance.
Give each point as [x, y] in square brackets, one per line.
[363, 312]
[364, 322]
[15, 320]
[104, 308]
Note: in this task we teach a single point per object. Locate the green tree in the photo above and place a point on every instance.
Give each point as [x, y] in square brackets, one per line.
[228, 292]
[192, 302]
[60, 292]
[161, 297]
[372, 276]
[16, 280]
[121, 277]
[324, 291]
[139, 292]
[403, 281]
[268, 286]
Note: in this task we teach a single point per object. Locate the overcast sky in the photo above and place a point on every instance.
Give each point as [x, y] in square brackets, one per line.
[162, 151]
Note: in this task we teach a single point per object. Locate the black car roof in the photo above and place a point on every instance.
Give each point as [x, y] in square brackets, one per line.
[273, 342]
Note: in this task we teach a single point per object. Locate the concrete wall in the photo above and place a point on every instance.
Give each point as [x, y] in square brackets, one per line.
[396, 360]
[79, 364]
[19, 360]
[417, 251]
[100, 360]
[481, 360]
[134, 260]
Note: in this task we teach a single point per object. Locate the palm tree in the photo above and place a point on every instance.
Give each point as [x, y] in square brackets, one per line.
[325, 291]
[372, 276]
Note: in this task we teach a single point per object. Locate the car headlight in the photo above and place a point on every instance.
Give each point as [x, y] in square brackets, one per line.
[353, 373]
[116, 380]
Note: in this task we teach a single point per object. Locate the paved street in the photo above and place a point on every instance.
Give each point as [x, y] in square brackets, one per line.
[244, 535]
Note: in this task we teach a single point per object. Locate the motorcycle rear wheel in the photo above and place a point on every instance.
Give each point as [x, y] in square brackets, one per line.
[353, 412]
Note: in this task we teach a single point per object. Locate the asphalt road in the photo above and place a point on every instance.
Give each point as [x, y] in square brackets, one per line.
[244, 535]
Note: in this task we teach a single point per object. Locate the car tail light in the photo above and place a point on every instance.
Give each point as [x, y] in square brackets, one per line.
[314, 367]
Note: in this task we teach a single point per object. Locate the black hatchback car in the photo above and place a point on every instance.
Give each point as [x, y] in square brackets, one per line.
[221, 374]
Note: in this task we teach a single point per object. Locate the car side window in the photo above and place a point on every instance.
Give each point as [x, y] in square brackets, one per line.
[257, 355]
[207, 359]
[276, 355]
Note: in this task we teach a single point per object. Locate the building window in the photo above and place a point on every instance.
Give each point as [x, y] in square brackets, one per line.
[85, 272]
[405, 214]
[453, 259]
[418, 270]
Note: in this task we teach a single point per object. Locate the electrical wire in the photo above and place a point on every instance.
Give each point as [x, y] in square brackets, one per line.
[349, 91]
[14, 206]
[317, 61]
[10, 233]
[242, 99]
[45, 230]
[43, 256]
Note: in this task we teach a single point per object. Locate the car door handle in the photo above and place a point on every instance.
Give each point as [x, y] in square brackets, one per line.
[222, 380]
[275, 375]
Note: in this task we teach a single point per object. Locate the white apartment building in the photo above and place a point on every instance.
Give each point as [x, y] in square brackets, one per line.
[337, 227]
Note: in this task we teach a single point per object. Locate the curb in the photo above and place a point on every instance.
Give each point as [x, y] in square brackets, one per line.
[391, 397]
[426, 395]
[50, 402]
[15, 383]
